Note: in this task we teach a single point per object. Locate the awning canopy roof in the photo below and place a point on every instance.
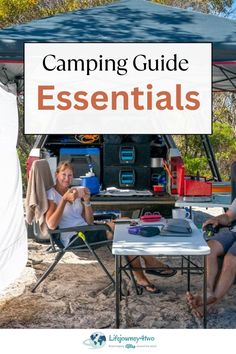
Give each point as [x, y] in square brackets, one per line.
[128, 21]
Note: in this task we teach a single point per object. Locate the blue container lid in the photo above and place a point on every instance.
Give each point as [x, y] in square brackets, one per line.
[80, 151]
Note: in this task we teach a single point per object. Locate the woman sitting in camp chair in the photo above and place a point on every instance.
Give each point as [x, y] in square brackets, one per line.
[70, 207]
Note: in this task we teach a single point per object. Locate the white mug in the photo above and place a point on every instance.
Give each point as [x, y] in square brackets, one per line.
[180, 213]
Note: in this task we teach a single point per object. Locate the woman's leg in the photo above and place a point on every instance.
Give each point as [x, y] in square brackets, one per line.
[139, 274]
[110, 233]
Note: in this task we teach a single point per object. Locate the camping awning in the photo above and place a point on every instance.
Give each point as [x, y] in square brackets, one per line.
[130, 21]
[224, 76]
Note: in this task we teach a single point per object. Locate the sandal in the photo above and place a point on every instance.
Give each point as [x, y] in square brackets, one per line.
[162, 272]
[148, 287]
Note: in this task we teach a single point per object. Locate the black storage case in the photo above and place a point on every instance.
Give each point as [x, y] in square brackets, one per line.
[127, 177]
[126, 154]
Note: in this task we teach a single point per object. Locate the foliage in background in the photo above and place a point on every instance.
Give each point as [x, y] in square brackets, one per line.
[18, 11]
[223, 141]
[215, 7]
[24, 144]
[224, 144]
[22, 158]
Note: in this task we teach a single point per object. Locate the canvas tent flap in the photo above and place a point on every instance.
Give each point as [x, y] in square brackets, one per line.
[13, 245]
[126, 21]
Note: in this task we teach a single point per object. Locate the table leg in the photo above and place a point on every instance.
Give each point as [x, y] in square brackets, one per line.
[118, 290]
[188, 273]
[205, 293]
[190, 213]
[182, 265]
[120, 279]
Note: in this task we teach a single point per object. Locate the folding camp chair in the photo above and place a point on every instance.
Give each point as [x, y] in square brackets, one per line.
[36, 206]
[60, 249]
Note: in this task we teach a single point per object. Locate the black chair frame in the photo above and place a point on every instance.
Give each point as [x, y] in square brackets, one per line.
[58, 247]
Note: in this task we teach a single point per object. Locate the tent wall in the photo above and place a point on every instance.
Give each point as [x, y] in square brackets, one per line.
[13, 245]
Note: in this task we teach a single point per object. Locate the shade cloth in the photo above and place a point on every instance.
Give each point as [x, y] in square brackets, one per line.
[127, 21]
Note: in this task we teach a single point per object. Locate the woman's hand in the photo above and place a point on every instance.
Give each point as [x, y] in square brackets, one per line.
[84, 193]
[87, 195]
[71, 195]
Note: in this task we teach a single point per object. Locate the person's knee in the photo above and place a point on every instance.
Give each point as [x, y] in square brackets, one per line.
[216, 248]
[229, 264]
[110, 232]
[109, 235]
[111, 225]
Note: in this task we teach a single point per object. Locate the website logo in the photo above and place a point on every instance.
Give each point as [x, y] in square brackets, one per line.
[97, 340]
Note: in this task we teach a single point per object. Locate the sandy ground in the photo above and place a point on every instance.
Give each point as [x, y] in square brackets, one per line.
[77, 295]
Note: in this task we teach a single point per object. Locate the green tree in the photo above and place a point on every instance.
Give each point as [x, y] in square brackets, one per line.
[15, 11]
[216, 7]
[223, 143]
[24, 144]
[224, 108]
[18, 11]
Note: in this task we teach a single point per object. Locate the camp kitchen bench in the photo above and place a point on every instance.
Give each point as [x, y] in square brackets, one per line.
[130, 204]
[217, 201]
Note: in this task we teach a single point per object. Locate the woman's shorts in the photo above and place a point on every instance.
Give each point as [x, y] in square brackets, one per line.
[91, 237]
[227, 239]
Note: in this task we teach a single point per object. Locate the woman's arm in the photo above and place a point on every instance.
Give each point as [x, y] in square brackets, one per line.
[88, 213]
[54, 212]
[87, 207]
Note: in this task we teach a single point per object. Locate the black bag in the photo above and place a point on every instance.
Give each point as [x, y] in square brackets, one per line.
[180, 227]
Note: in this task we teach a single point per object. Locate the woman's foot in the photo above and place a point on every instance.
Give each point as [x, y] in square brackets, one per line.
[166, 271]
[145, 284]
[150, 288]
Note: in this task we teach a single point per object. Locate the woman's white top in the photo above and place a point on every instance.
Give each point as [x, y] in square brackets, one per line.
[71, 215]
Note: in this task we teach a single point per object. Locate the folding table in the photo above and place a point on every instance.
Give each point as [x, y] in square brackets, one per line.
[125, 244]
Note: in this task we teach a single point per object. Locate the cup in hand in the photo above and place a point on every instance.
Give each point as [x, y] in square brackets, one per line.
[83, 192]
[180, 213]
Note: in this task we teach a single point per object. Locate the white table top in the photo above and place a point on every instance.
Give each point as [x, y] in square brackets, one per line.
[127, 244]
[218, 200]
